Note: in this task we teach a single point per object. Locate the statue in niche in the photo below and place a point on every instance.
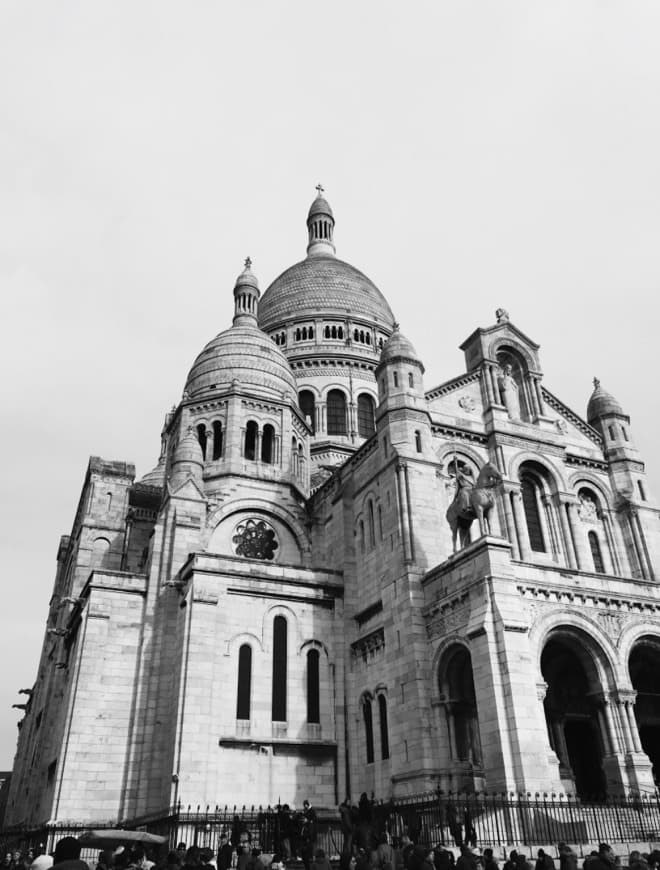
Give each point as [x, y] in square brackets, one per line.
[509, 392]
[588, 509]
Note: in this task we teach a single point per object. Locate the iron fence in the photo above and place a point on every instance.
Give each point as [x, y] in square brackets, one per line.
[445, 818]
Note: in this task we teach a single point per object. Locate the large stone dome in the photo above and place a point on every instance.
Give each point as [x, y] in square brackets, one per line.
[244, 355]
[319, 286]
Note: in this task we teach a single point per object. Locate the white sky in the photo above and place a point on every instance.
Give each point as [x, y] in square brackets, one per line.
[476, 155]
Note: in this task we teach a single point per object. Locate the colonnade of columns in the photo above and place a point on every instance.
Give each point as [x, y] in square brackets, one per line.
[562, 529]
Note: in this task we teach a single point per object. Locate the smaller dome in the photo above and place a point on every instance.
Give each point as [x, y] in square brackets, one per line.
[398, 346]
[247, 278]
[155, 477]
[320, 206]
[602, 404]
[189, 450]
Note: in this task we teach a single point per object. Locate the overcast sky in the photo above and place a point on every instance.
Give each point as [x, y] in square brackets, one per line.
[476, 155]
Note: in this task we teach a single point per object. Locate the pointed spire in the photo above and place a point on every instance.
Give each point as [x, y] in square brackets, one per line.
[246, 296]
[320, 226]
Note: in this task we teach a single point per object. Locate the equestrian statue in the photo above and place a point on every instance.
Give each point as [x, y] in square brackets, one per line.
[472, 501]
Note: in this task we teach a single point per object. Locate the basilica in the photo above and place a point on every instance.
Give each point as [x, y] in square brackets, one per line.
[339, 579]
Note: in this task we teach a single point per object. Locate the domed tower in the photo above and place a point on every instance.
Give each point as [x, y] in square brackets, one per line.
[629, 481]
[402, 407]
[240, 405]
[331, 322]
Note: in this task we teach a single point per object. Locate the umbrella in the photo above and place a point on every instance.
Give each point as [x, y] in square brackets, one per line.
[108, 838]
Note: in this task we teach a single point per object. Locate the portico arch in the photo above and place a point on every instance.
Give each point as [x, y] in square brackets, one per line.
[457, 694]
[644, 668]
[578, 677]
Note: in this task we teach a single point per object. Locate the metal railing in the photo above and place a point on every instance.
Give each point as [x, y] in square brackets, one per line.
[445, 818]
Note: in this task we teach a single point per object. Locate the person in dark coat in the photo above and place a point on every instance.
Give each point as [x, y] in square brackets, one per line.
[568, 860]
[489, 862]
[67, 855]
[543, 861]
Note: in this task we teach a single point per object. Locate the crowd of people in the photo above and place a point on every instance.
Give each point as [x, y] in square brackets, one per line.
[361, 849]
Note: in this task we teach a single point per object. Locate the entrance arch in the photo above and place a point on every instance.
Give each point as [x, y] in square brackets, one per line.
[456, 685]
[644, 668]
[572, 712]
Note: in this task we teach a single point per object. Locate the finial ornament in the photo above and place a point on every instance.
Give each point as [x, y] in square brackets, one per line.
[502, 315]
[596, 383]
[248, 262]
[320, 189]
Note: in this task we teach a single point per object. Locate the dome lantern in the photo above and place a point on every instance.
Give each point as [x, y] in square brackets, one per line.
[246, 297]
[320, 225]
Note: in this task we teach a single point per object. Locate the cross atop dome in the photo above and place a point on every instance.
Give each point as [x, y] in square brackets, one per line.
[320, 225]
[248, 262]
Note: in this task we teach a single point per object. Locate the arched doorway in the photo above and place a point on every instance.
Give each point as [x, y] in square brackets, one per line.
[457, 690]
[571, 713]
[644, 667]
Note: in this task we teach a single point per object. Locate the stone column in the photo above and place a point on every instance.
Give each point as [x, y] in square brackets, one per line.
[510, 524]
[533, 398]
[578, 537]
[539, 394]
[496, 389]
[451, 730]
[566, 532]
[611, 726]
[488, 384]
[521, 527]
[611, 542]
[209, 443]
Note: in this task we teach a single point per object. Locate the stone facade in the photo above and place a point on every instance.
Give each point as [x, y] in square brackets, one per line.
[278, 611]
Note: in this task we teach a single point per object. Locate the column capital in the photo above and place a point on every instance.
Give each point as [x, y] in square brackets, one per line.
[541, 690]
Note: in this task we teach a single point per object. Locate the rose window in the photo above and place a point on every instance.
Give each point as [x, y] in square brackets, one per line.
[255, 539]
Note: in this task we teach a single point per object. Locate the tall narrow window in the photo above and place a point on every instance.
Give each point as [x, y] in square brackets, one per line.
[528, 487]
[250, 440]
[610, 429]
[217, 439]
[307, 405]
[336, 405]
[380, 522]
[596, 554]
[384, 735]
[395, 378]
[368, 729]
[244, 682]
[640, 487]
[372, 526]
[201, 437]
[411, 379]
[366, 415]
[313, 705]
[624, 433]
[279, 669]
[267, 443]
[418, 441]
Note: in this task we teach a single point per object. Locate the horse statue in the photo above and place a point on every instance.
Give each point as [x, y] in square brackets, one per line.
[473, 500]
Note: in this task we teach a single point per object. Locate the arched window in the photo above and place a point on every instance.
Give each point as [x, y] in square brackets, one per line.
[310, 332]
[395, 379]
[201, 437]
[334, 332]
[356, 335]
[307, 405]
[313, 705]
[530, 491]
[279, 669]
[380, 522]
[368, 729]
[326, 332]
[624, 433]
[267, 443]
[418, 441]
[384, 735]
[640, 487]
[610, 429]
[596, 554]
[340, 332]
[244, 690]
[372, 525]
[251, 429]
[298, 334]
[217, 439]
[361, 530]
[336, 406]
[366, 414]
